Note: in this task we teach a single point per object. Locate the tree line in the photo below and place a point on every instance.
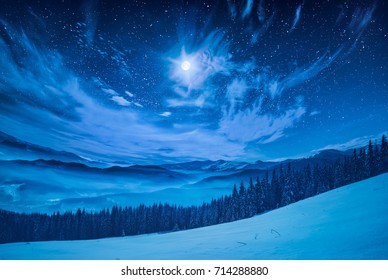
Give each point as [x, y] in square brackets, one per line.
[284, 185]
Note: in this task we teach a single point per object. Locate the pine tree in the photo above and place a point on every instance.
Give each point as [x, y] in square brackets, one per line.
[288, 186]
[252, 201]
[242, 202]
[384, 154]
[276, 191]
[376, 152]
[371, 160]
[362, 164]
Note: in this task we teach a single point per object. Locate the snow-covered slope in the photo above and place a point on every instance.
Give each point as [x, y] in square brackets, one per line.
[346, 223]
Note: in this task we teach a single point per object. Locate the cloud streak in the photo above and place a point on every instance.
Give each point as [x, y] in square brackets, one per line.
[91, 18]
[261, 31]
[296, 18]
[301, 74]
[261, 11]
[253, 125]
[248, 8]
[232, 8]
[361, 18]
[28, 75]
[121, 101]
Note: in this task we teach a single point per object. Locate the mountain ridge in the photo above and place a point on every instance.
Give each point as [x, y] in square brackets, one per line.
[37, 152]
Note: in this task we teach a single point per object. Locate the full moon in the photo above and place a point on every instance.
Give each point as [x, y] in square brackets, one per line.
[185, 65]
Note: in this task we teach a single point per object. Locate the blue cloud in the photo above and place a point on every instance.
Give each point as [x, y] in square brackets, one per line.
[296, 18]
[278, 85]
[253, 125]
[91, 19]
[39, 79]
[248, 8]
[261, 11]
[361, 18]
[232, 8]
[261, 31]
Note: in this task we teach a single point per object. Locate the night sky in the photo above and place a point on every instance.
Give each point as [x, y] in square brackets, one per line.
[172, 81]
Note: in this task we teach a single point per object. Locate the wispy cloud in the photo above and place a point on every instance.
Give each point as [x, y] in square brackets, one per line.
[109, 91]
[314, 113]
[121, 101]
[301, 74]
[236, 91]
[359, 22]
[188, 102]
[91, 18]
[232, 8]
[352, 143]
[361, 18]
[32, 73]
[341, 14]
[257, 26]
[261, 11]
[248, 8]
[261, 30]
[252, 124]
[130, 94]
[296, 18]
[165, 114]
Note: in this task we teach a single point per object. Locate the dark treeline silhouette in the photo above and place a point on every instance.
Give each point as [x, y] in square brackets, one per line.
[283, 186]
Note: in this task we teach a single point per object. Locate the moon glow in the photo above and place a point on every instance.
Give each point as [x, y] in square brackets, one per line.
[185, 65]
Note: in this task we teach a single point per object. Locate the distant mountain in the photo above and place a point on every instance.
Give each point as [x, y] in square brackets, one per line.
[134, 171]
[36, 177]
[323, 157]
[42, 185]
[207, 165]
[12, 148]
[262, 164]
[227, 181]
[260, 168]
[332, 154]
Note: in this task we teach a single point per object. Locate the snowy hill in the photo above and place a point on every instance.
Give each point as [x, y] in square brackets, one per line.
[347, 223]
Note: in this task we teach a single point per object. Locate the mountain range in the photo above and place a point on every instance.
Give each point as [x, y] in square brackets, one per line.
[36, 178]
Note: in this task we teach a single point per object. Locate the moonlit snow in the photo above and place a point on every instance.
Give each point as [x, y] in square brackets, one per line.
[346, 223]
